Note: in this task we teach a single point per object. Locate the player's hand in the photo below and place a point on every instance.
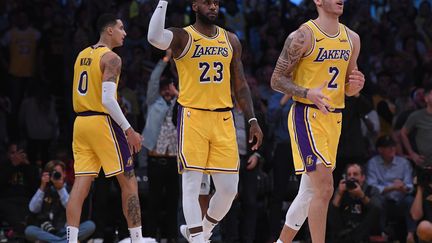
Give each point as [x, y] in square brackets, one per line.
[356, 81]
[44, 180]
[255, 132]
[252, 162]
[318, 98]
[134, 140]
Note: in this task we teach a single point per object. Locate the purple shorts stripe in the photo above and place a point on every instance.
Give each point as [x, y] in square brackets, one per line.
[308, 156]
[122, 146]
[181, 158]
[314, 149]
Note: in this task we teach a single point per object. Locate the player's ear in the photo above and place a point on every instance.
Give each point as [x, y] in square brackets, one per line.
[109, 30]
[194, 5]
[318, 2]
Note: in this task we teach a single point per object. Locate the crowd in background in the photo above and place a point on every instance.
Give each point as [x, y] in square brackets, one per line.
[40, 39]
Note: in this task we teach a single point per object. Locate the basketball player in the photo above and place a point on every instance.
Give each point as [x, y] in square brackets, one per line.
[99, 130]
[207, 59]
[318, 66]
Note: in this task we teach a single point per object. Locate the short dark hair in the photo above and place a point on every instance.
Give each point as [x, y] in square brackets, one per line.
[385, 141]
[362, 169]
[106, 19]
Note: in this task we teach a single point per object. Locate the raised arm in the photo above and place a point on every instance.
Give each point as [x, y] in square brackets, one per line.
[161, 38]
[354, 80]
[242, 91]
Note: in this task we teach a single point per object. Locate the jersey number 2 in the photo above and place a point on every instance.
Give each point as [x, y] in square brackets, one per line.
[83, 83]
[334, 71]
[205, 67]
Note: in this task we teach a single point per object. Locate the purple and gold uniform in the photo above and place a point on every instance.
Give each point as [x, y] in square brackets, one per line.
[207, 138]
[315, 136]
[98, 141]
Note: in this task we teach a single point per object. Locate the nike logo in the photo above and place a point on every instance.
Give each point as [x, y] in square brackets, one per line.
[297, 225]
[226, 118]
[343, 40]
[339, 122]
[318, 40]
[195, 40]
[159, 7]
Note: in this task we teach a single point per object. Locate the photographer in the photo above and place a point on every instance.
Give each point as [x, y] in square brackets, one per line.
[421, 209]
[48, 208]
[354, 211]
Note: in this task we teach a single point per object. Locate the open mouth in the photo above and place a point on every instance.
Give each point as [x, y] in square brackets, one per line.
[340, 3]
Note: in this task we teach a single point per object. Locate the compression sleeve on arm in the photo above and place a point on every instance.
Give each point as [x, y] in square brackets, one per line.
[109, 101]
[157, 35]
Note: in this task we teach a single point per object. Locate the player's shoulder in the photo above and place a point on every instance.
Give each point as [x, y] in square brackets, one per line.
[352, 34]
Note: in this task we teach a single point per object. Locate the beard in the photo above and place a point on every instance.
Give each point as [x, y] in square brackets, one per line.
[204, 19]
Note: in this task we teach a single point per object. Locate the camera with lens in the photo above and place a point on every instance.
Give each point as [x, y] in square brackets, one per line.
[351, 183]
[55, 175]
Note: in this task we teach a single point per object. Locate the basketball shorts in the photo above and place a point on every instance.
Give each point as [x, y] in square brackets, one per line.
[98, 141]
[314, 136]
[207, 141]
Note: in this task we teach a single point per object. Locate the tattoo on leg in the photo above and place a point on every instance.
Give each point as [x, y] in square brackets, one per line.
[129, 174]
[133, 210]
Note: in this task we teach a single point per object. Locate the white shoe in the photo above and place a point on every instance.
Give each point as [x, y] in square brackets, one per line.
[143, 240]
[186, 234]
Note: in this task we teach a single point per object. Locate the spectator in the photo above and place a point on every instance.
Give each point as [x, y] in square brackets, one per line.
[18, 181]
[421, 209]
[22, 42]
[161, 140]
[239, 225]
[38, 118]
[355, 208]
[285, 182]
[419, 123]
[352, 145]
[48, 208]
[392, 175]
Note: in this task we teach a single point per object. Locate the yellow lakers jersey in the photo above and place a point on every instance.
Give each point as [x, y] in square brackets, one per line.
[87, 82]
[327, 61]
[204, 71]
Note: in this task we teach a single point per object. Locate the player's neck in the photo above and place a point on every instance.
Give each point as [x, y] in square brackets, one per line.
[329, 24]
[205, 29]
[103, 41]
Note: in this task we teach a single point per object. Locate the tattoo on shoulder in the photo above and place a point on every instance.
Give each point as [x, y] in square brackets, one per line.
[129, 174]
[112, 68]
[282, 79]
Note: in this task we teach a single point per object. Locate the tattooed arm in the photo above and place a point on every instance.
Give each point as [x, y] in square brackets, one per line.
[242, 92]
[111, 66]
[296, 45]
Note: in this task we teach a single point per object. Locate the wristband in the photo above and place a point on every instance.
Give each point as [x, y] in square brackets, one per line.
[252, 119]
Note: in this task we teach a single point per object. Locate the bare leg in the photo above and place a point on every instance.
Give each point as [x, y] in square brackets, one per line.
[77, 196]
[322, 182]
[130, 199]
